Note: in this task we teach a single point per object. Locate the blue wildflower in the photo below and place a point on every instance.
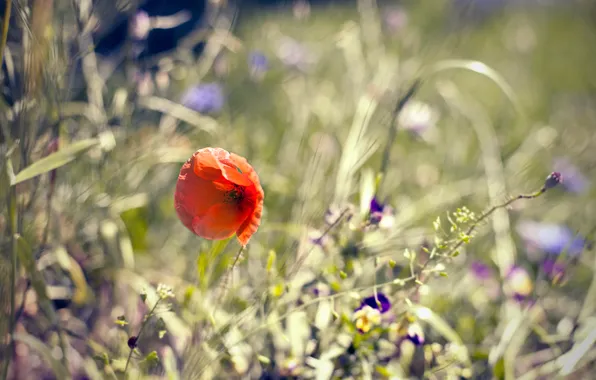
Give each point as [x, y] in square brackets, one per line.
[575, 181]
[205, 98]
[551, 238]
[258, 64]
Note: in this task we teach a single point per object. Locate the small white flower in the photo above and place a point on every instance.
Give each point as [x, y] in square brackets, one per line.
[417, 117]
[164, 292]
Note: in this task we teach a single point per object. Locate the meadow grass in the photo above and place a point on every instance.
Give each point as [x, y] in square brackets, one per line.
[408, 223]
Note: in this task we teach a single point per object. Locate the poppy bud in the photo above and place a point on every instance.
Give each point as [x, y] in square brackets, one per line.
[552, 180]
[132, 342]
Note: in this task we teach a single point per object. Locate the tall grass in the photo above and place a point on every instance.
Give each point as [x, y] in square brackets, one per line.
[449, 127]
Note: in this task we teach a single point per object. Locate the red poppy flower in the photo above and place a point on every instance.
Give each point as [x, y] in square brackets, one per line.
[218, 194]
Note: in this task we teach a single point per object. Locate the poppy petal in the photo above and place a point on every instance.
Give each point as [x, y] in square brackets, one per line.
[251, 224]
[195, 195]
[234, 174]
[206, 164]
[220, 222]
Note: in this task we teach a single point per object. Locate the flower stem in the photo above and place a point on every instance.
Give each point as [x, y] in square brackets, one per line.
[143, 324]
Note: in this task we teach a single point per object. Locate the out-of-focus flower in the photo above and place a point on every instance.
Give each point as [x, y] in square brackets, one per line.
[319, 238]
[218, 194]
[294, 54]
[489, 288]
[381, 214]
[395, 19]
[575, 181]
[417, 117]
[415, 334]
[480, 270]
[368, 314]
[141, 25]
[258, 65]
[332, 215]
[367, 318]
[204, 98]
[550, 238]
[555, 270]
[383, 304]
[164, 291]
[519, 284]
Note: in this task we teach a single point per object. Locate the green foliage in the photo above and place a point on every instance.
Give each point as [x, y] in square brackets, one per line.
[429, 124]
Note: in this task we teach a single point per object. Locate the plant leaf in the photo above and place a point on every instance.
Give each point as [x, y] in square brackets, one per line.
[54, 160]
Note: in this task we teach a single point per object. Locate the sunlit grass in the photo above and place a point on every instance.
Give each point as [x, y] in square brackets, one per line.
[433, 116]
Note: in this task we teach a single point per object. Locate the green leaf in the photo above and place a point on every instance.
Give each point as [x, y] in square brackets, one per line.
[54, 160]
[45, 352]
[499, 369]
[478, 68]
[367, 191]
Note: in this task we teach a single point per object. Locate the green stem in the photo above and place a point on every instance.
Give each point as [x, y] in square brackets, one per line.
[393, 128]
[5, 24]
[145, 320]
[12, 226]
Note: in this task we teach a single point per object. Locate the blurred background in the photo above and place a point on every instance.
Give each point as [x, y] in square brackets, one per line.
[383, 133]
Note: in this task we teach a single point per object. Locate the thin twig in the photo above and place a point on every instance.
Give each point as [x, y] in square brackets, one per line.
[143, 324]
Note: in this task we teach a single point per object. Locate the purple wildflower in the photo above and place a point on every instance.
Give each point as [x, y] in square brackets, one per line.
[555, 270]
[205, 98]
[480, 270]
[383, 305]
[381, 214]
[376, 211]
[575, 181]
[369, 313]
[551, 238]
[375, 206]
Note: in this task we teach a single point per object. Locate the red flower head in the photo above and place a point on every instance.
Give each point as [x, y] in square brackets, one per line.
[218, 194]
